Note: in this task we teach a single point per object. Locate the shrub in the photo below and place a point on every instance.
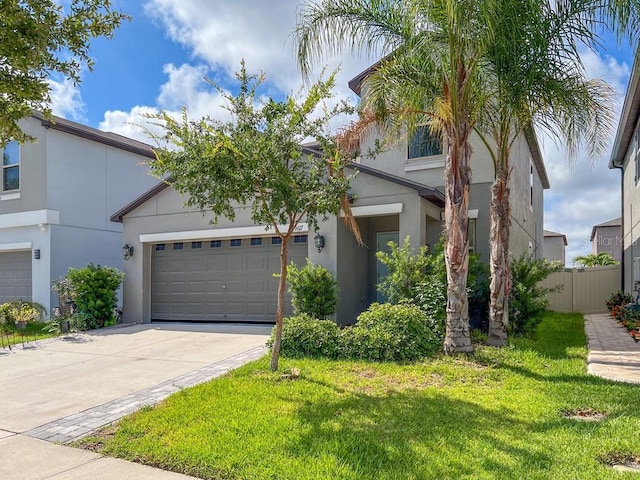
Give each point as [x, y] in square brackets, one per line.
[618, 299]
[95, 289]
[405, 271]
[477, 285]
[388, 332]
[314, 290]
[304, 336]
[431, 297]
[527, 299]
[22, 311]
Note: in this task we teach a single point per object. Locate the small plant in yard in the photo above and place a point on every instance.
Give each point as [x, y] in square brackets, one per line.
[385, 332]
[314, 290]
[95, 288]
[618, 299]
[527, 299]
[629, 317]
[406, 271]
[305, 336]
[22, 311]
[388, 332]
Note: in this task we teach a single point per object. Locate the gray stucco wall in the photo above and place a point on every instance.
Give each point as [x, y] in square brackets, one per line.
[631, 219]
[33, 173]
[554, 249]
[77, 184]
[608, 240]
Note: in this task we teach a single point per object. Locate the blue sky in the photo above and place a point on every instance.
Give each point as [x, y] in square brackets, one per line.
[159, 60]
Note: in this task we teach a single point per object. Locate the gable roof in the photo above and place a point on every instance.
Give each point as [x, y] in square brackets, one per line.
[628, 117]
[550, 234]
[107, 138]
[355, 84]
[433, 195]
[616, 222]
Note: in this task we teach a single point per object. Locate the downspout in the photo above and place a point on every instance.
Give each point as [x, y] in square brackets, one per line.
[622, 263]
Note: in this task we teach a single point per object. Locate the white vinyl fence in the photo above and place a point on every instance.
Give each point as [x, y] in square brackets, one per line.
[585, 290]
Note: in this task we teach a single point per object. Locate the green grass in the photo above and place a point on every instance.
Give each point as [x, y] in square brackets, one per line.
[494, 415]
[33, 332]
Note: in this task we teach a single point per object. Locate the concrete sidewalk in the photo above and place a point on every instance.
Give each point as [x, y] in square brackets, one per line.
[613, 354]
[67, 387]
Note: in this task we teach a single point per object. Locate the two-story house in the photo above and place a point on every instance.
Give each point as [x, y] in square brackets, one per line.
[188, 269]
[555, 246]
[56, 199]
[606, 237]
[625, 155]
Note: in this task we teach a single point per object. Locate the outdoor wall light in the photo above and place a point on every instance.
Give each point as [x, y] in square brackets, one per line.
[319, 241]
[36, 254]
[127, 251]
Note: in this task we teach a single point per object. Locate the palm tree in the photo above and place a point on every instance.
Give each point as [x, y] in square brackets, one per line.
[595, 260]
[431, 75]
[536, 78]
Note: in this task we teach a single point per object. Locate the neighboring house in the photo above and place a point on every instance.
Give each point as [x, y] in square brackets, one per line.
[554, 246]
[185, 268]
[607, 238]
[625, 156]
[56, 198]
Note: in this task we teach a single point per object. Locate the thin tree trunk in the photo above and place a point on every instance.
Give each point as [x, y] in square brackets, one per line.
[457, 176]
[275, 351]
[500, 214]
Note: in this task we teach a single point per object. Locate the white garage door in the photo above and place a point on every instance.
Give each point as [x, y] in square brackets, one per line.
[219, 280]
[15, 276]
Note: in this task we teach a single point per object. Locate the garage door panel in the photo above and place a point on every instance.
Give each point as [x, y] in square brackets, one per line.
[257, 286]
[213, 284]
[15, 276]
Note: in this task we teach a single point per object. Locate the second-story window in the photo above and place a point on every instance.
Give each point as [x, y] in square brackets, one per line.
[11, 167]
[423, 144]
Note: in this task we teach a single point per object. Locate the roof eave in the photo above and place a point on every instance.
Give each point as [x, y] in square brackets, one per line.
[538, 161]
[93, 134]
[118, 217]
[628, 117]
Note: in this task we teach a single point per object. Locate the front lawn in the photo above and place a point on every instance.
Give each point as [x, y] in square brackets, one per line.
[497, 414]
[34, 331]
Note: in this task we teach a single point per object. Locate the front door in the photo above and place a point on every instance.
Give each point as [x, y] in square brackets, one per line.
[382, 245]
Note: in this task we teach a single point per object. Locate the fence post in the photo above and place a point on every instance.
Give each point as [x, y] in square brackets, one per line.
[574, 300]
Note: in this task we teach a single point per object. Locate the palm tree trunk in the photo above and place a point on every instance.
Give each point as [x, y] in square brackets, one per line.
[457, 178]
[500, 214]
[275, 351]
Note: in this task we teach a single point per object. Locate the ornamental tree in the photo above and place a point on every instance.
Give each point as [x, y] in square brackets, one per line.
[39, 38]
[256, 161]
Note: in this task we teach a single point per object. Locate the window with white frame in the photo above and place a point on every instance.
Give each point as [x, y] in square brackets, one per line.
[423, 144]
[11, 167]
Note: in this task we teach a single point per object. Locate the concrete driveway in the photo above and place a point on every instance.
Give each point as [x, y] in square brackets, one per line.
[65, 387]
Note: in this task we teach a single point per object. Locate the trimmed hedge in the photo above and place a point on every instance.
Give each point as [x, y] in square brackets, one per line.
[385, 332]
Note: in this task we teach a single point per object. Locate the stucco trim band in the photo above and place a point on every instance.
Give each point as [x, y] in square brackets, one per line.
[216, 233]
[28, 219]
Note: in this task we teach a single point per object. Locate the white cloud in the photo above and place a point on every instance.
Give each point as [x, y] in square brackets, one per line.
[185, 87]
[66, 100]
[583, 195]
[220, 34]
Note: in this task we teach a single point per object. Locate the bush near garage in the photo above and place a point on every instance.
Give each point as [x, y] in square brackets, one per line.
[314, 290]
[388, 332]
[95, 294]
[305, 336]
[385, 332]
